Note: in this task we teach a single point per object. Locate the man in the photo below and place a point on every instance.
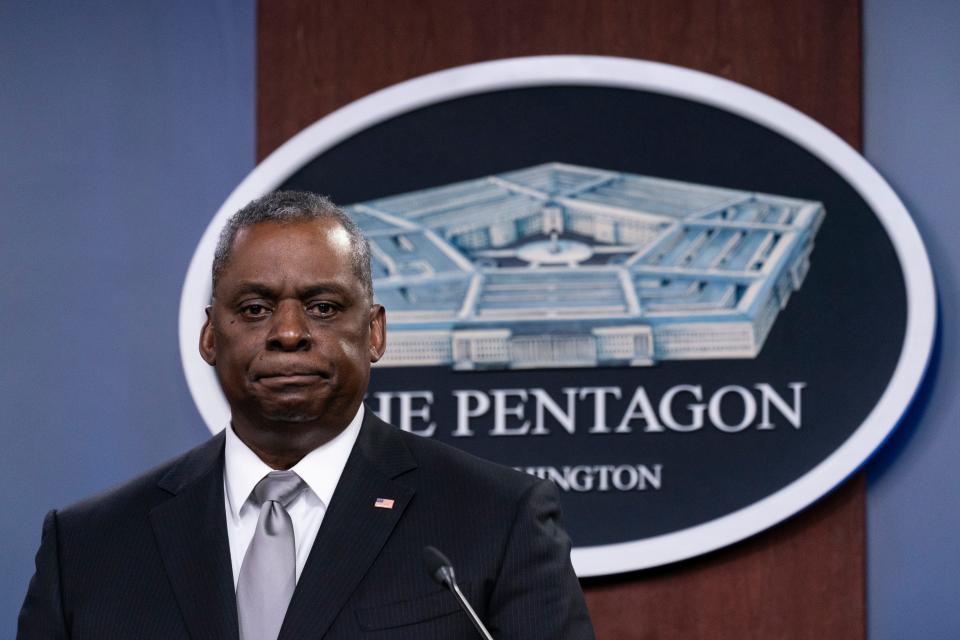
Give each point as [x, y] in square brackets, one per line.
[307, 516]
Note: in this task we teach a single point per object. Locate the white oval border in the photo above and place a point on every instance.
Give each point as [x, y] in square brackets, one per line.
[629, 74]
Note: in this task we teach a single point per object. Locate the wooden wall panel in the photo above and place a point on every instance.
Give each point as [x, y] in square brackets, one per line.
[316, 56]
[802, 579]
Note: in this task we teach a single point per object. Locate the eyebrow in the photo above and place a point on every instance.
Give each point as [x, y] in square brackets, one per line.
[265, 290]
[327, 287]
[253, 287]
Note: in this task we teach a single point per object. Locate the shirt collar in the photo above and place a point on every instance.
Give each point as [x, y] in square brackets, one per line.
[320, 469]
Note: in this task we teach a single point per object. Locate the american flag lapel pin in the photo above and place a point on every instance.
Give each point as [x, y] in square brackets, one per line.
[384, 503]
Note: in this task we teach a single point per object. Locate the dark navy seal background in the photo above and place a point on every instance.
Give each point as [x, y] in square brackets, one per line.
[840, 334]
[706, 474]
[124, 126]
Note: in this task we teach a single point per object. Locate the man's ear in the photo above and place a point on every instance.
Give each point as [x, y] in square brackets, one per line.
[208, 341]
[378, 332]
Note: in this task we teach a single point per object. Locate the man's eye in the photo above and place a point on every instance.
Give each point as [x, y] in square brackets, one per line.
[253, 310]
[323, 309]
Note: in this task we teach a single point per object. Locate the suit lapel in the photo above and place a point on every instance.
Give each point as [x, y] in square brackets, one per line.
[191, 532]
[353, 530]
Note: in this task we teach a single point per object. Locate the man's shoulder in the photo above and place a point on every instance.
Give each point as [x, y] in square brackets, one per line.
[146, 490]
[443, 463]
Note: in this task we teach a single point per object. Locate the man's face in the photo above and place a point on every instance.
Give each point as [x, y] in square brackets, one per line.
[291, 330]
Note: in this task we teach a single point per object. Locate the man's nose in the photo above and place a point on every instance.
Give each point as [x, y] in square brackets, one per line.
[289, 330]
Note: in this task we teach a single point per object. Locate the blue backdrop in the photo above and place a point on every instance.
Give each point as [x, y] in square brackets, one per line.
[123, 127]
[912, 135]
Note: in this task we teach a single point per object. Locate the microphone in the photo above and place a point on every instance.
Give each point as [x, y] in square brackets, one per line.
[441, 570]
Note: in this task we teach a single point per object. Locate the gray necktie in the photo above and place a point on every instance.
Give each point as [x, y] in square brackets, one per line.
[268, 574]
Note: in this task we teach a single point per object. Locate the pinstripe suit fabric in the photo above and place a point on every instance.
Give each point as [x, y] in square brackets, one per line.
[150, 559]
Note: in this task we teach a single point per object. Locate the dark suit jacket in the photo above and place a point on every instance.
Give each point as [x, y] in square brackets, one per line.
[151, 559]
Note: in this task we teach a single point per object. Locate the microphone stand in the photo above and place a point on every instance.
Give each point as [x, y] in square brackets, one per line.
[442, 571]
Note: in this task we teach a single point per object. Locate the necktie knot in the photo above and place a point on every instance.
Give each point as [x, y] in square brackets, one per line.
[278, 486]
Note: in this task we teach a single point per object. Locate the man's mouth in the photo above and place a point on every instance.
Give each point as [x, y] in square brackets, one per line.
[290, 378]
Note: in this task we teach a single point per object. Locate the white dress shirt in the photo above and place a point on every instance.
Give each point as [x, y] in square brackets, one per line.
[320, 470]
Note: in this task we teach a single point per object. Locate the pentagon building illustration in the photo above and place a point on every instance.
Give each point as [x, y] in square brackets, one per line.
[558, 265]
